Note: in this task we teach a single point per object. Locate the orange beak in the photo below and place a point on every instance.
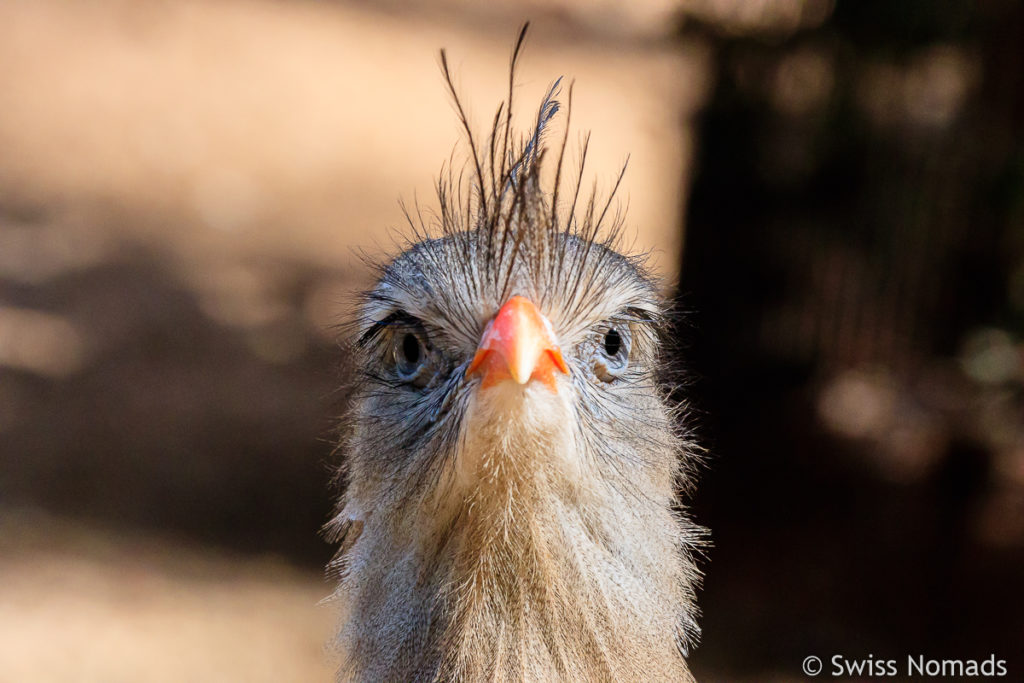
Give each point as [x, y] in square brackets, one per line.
[518, 344]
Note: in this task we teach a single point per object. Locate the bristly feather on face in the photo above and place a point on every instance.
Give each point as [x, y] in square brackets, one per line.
[501, 527]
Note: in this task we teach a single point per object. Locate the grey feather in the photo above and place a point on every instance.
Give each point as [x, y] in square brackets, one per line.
[514, 533]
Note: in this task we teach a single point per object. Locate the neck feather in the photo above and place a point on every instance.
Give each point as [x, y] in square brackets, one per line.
[522, 585]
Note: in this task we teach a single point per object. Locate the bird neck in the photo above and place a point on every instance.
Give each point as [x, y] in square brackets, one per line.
[521, 585]
[544, 592]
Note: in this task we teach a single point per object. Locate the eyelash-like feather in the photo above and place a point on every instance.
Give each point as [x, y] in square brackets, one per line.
[393, 319]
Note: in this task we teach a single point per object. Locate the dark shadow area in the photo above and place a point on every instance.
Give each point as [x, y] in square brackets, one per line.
[853, 264]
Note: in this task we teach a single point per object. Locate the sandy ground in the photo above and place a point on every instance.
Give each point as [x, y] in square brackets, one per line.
[78, 603]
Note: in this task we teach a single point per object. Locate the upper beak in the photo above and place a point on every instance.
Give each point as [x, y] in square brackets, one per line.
[518, 344]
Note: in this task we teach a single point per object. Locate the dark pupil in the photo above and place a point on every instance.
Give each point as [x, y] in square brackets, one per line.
[411, 349]
[612, 343]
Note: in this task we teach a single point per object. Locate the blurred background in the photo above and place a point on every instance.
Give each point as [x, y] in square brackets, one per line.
[832, 191]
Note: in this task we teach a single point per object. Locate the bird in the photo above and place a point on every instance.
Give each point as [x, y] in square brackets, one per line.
[512, 461]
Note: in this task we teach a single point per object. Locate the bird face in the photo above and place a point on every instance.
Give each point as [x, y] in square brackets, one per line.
[469, 375]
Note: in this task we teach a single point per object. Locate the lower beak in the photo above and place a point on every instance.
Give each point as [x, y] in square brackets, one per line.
[518, 344]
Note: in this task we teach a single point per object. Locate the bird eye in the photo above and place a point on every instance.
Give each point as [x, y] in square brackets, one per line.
[612, 343]
[612, 356]
[410, 356]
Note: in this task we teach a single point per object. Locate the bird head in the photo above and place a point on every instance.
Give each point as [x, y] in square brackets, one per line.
[468, 352]
[508, 435]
